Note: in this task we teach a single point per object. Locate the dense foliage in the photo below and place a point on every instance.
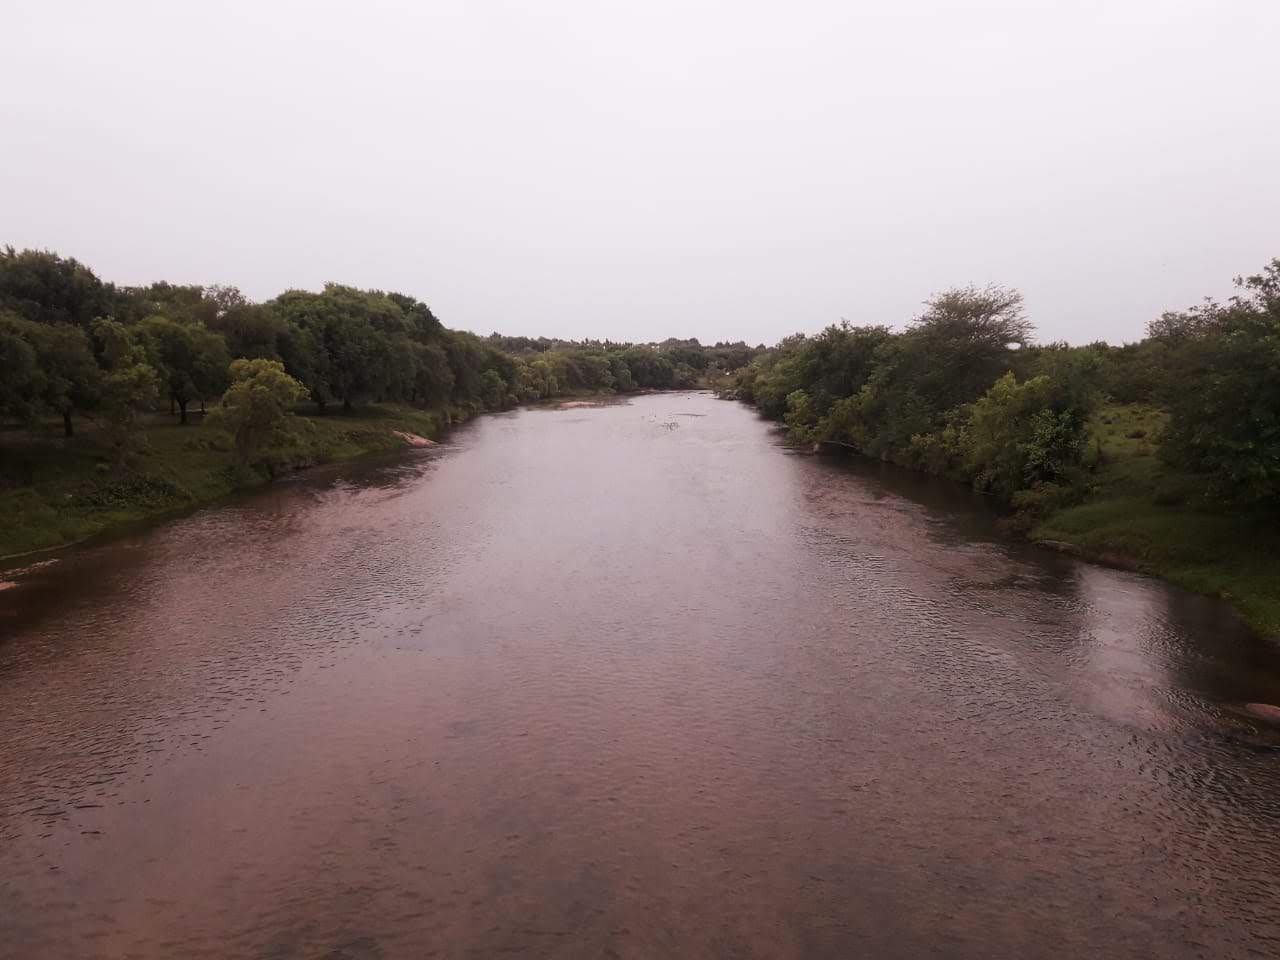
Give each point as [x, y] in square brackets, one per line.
[964, 392]
[961, 391]
[257, 408]
[1223, 392]
[73, 346]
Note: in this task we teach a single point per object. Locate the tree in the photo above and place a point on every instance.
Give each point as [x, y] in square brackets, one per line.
[70, 379]
[225, 298]
[535, 380]
[421, 322]
[305, 359]
[1019, 435]
[345, 352]
[596, 371]
[256, 408]
[950, 356]
[466, 361]
[129, 384]
[47, 368]
[19, 369]
[989, 317]
[623, 382]
[357, 359]
[191, 360]
[44, 287]
[493, 390]
[1224, 406]
[800, 416]
[649, 368]
[250, 330]
[183, 302]
[432, 378]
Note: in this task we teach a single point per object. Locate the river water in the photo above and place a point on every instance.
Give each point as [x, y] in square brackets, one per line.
[627, 681]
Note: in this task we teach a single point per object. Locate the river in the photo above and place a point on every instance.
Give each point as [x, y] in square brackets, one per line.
[625, 681]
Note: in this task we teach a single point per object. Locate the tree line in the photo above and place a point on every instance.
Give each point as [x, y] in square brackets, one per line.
[74, 346]
[963, 391]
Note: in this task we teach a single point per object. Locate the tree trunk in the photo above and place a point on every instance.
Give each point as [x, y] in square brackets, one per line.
[320, 407]
[182, 406]
[202, 410]
[171, 405]
[67, 429]
[346, 404]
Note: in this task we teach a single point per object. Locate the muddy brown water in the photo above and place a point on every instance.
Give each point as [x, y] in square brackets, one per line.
[630, 681]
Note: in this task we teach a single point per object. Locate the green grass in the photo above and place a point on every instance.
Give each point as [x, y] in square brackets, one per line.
[1142, 512]
[55, 491]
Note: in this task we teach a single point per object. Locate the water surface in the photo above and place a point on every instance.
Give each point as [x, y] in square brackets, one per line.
[627, 681]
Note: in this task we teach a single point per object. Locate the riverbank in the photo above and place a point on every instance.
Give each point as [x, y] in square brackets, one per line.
[1142, 515]
[1139, 514]
[55, 491]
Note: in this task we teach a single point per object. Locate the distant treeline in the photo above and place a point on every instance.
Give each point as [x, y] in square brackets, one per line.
[964, 392]
[72, 345]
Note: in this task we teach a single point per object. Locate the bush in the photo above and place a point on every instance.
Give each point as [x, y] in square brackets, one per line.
[1225, 408]
[1035, 503]
[1022, 435]
[130, 492]
[256, 409]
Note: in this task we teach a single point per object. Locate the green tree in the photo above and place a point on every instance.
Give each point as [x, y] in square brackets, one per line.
[344, 350]
[191, 360]
[801, 416]
[357, 360]
[951, 354]
[250, 330]
[596, 371]
[623, 382]
[649, 368]
[432, 378]
[1223, 399]
[69, 376]
[305, 359]
[19, 369]
[42, 286]
[129, 385]
[1019, 435]
[257, 408]
[420, 323]
[467, 362]
[493, 390]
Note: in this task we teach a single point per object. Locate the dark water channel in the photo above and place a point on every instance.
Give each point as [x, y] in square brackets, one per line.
[629, 681]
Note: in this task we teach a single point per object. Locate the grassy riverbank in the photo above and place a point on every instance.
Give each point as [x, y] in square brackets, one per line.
[55, 492]
[1143, 514]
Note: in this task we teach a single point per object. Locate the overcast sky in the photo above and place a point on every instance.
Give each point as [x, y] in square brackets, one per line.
[717, 168]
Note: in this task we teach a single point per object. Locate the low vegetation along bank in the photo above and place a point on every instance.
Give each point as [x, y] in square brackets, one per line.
[1161, 455]
[55, 492]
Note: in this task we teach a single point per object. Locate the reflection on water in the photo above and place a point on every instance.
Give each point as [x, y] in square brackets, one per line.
[625, 681]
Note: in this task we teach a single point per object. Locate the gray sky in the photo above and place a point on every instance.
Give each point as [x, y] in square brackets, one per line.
[718, 168]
